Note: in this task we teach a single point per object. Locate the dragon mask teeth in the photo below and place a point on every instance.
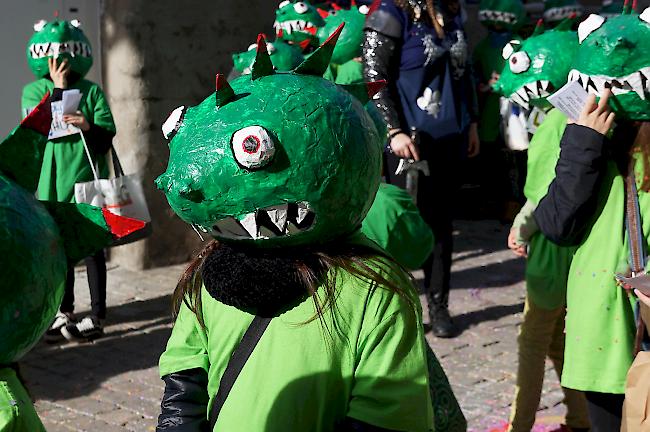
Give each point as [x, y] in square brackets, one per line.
[637, 82]
[530, 91]
[275, 221]
[295, 26]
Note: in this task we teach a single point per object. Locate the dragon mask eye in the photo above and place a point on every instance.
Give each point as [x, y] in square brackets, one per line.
[510, 48]
[588, 26]
[253, 147]
[283, 4]
[300, 8]
[173, 122]
[519, 62]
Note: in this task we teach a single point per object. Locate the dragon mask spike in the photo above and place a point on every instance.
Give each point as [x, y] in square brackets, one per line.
[539, 28]
[567, 22]
[364, 91]
[224, 93]
[317, 63]
[262, 65]
[626, 7]
[634, 5]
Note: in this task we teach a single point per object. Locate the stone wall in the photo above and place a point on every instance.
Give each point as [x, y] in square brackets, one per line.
[158, 55]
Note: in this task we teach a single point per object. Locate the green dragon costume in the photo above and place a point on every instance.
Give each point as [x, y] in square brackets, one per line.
[537, 66]
[65, 162]
[284, 57]
[276, 166]
[346, 66]
[296, 22]
[613, 53]
[38, 240]
[502, 18]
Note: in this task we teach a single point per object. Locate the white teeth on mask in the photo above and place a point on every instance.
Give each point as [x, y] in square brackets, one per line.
[269, 222]
[250, 225]
[303, 211]
[636, 82]
[278, 216]
[230, 227]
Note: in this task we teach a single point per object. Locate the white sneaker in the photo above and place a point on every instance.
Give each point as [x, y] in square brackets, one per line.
[62, 319]
[89, 328]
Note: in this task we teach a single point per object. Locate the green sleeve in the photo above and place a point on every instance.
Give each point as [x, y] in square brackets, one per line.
[101, 115]
[187, 345]
[391, 387]
[32, 95]
[543, 153]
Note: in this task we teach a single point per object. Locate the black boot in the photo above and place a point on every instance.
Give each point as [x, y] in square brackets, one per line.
[441, 324]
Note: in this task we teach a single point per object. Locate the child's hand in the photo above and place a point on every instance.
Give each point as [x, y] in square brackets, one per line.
[516, 248]
[597, 116]
[59, 72]
[78, 120]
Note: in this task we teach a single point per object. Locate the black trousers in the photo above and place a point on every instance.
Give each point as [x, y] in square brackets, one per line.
[436, 194]
[605, 411]
[96, 270]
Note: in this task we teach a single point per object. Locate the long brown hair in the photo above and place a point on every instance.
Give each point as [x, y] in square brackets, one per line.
[363, 263]
[642, 145]
[431, 14]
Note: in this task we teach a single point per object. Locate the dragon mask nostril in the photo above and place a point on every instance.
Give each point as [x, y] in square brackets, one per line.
[196, 196]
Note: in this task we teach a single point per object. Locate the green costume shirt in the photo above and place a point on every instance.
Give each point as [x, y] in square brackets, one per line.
[395, 224]
[350, 72]
[600, 321]
[17, 413]
[488, 59]
[370, 365]
[547, 267]
[65, 162]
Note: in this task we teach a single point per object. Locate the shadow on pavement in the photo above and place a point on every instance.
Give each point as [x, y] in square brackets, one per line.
[136, 335]
[492, 313]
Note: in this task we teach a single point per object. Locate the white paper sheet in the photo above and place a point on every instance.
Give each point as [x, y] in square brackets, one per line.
[570, 99]
[67, 105]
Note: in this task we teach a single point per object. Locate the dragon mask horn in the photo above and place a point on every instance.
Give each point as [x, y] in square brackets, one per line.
[262, 65]
[224, 93]
[365, 91]
[317, 63]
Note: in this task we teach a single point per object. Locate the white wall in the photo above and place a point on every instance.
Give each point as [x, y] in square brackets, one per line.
[16, 27]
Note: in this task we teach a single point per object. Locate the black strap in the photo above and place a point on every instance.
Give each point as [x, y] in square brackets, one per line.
[117, 166]
[236, 364]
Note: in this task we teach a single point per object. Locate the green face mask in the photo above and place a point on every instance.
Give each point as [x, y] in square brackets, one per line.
[275, 159]
[297, 22]
[283, 56]
[538, 66]
[349, 46]
[61, 40]
[506, 14]
[615, 53]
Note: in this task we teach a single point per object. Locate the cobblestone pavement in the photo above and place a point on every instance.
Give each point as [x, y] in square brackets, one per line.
[113, 384]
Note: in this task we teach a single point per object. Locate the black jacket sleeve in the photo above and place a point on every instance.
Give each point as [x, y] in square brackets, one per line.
[381, 47]
[185, 402]
[563, 215]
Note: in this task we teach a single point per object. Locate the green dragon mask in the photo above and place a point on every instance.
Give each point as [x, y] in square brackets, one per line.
[558, 10]
[38, 240]
[62, 40]
[538, 66]
[297, 22]
[275, 159]
[283, 56]
[615, 53]
[508, 14]
[349, 45]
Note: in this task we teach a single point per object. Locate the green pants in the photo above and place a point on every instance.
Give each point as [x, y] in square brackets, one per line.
[541, 335]
[17, 413]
